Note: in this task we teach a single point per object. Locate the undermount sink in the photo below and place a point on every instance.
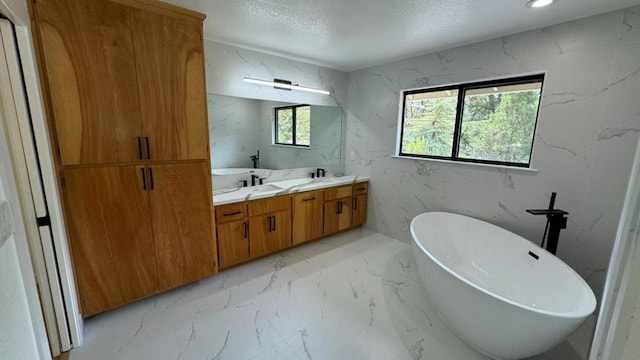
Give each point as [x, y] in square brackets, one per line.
[263, 188]
[287, 184]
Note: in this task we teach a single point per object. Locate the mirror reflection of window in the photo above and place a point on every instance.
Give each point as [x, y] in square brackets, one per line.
[293, 125]
[240, 126]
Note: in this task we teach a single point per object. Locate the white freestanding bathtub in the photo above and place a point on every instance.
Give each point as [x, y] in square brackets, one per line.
[500, 293]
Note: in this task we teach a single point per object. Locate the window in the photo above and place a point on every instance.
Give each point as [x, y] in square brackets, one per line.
[293, 125]
[491, 122]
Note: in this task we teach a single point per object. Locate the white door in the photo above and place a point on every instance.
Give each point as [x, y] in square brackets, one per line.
[49, 252]
[22, 330]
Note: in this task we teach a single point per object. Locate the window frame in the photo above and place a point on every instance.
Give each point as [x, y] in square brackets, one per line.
[462, 90]
[293, 125]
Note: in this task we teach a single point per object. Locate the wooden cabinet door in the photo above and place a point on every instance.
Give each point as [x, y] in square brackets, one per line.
[233, 242]
[88, 59]
[269, 232]
[337, 215]
[111, 236]
[359, 209]
[182, 218]
[307, 217]
[170, 67]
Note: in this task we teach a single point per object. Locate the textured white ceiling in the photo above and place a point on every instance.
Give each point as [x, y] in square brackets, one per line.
[353, 34]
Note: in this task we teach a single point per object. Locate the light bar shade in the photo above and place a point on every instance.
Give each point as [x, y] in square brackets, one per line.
[285, 86]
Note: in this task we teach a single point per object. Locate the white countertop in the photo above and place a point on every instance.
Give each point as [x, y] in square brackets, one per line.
[283, 187]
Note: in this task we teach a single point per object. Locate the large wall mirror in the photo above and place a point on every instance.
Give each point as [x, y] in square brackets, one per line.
[239, 128]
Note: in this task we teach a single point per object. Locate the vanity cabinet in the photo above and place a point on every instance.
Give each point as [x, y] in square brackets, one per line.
[308, 219]
[269, 225]
[360, 194]
[233, 234]
[124, 87]
[253, 229]
[337, 209]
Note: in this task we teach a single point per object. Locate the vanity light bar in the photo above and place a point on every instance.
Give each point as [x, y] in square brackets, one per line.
[285, 86]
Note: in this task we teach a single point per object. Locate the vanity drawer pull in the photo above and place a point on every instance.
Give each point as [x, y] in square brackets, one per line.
[232, 213]
[361, 188]
[309, 199]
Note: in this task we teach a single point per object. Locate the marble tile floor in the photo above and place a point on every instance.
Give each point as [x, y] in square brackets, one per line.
[356, 295]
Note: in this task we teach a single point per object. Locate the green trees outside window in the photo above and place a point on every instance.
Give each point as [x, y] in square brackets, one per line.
[293, 125]
[490, 122]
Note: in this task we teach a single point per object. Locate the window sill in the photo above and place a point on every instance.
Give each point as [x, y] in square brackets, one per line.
[465, 163]
[293, 146]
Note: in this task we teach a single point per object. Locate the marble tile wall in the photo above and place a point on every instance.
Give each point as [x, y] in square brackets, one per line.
[588, 128]
[326, 135]
[231, 143]
[226, 65]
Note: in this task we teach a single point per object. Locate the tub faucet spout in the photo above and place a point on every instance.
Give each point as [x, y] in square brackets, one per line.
[255, 159]
[556, 221]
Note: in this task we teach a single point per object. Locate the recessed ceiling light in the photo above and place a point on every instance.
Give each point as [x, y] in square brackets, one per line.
[540, 3]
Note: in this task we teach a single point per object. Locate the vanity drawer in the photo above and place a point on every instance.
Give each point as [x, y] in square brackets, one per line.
[338, 192]
[278, 203]
[360, 188]
[230, 212]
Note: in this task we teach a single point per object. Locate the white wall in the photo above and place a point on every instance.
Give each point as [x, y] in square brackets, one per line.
[326, 135]
[226, 65]
[587, 132]
[234, 131]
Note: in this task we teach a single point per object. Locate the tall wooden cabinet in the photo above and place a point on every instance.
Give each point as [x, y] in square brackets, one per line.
[125, 90]
[111, 233]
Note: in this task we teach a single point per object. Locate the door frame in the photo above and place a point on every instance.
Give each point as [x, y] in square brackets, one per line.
[17, 13]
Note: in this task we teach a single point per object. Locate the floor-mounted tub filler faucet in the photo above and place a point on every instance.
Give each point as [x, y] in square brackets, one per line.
[256, 159]
[556, 221]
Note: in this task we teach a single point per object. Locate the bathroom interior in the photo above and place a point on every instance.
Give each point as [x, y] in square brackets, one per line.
[358, 292]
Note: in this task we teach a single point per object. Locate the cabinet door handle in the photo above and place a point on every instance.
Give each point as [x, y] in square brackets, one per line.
[355, 203]
[274, 223]
[309, 199]
[140, 147]
[232, 213]
[339, 207]
[151, 178]
[146, 139]
[246, 230]
[144, 180]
